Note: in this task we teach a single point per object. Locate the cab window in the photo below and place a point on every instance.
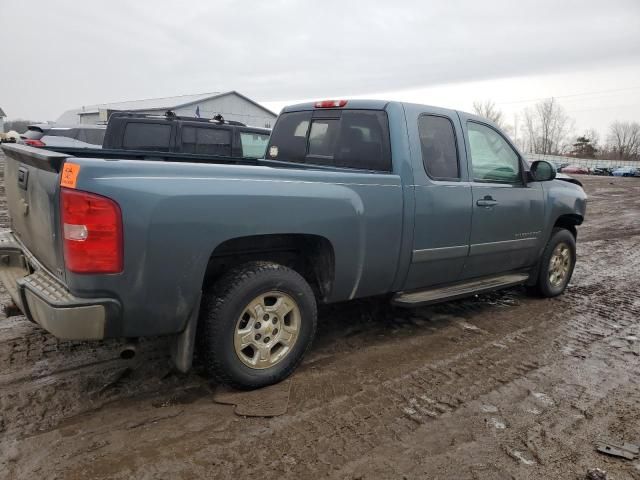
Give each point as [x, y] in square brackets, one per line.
[438, 145]
[492, 158]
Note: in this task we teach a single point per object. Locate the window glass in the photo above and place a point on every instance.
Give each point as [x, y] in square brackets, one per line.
[438, 144]
[206, 141]
[253, 144]
[364, 140]
[492, 157]
[289, 137]
[357, 139]
[147, 136]
[63, 132]
[32, 135]
[94, 136]
[322, 137]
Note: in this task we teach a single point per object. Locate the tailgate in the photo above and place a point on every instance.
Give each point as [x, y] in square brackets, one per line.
[31, 178]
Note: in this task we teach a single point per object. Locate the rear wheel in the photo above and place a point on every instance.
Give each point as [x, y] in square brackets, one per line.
[258, 322]
[557, 263]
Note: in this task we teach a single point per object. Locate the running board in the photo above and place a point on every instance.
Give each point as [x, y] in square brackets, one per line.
[459, 290]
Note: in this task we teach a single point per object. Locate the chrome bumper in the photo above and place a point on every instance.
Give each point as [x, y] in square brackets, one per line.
[46, 301]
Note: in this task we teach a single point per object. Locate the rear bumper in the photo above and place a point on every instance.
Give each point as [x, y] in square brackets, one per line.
[46, 301]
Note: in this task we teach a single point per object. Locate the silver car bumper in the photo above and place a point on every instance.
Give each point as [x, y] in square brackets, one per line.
[46, 301]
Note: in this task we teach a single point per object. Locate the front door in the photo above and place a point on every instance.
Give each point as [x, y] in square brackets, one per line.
[508, 212]
[442, 198]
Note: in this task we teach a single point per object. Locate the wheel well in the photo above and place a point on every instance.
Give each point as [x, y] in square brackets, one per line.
[569, 222]
[311, 256]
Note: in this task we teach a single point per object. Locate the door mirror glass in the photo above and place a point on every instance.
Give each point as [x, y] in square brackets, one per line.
[542, 171]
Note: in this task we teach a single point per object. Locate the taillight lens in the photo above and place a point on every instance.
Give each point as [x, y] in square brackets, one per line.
[92, 232]
[331, 104]
[34, 143]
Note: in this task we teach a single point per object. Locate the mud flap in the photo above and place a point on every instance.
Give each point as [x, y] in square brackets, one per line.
[182, 344]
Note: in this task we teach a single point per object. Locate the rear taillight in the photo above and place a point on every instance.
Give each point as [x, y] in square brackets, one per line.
[92, 232]
[331, 104]
[34, 143]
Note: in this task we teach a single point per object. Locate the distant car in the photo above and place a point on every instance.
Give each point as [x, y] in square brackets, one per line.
[625, 172]
[560, 166]
[76, 136]
[9, 137]
[602, 171]
[575, 169]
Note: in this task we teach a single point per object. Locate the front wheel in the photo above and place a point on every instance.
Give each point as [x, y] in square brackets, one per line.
[557, 263]
[258, 321]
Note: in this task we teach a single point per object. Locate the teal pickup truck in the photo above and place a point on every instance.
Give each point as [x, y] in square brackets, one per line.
[354, 199]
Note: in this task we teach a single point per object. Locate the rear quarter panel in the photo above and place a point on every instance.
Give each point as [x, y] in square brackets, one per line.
[176, 214]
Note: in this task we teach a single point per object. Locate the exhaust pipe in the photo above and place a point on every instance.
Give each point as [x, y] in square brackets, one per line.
[128, 351]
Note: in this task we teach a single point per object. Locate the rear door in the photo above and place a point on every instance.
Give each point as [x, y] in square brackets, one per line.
[442, 197]
[508, 212]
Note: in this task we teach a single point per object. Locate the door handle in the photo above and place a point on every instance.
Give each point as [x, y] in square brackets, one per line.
[486, 202]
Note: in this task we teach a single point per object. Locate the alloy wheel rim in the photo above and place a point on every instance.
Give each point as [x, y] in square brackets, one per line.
[267, 330]
[559, 265]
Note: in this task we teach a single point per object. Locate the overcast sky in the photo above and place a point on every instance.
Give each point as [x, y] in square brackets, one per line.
[65, 54]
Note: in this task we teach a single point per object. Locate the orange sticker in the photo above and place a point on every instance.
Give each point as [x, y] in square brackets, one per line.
[69, 175]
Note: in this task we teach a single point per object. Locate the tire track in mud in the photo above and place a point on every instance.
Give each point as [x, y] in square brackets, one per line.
[320, 440]
[528, 427]
[44, 380]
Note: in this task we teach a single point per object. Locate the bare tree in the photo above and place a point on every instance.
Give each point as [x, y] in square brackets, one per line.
[594, 137]
[624, 138]
[488, 110]
[546, 127]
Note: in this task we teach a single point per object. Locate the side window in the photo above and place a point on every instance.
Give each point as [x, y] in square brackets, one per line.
[289, 137]
[492, 157]
[438, 145]
[147, 136]
[206, 141]
[253, 144]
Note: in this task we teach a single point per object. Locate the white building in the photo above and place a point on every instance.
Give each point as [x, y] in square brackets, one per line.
[2, 115]
[231, 105]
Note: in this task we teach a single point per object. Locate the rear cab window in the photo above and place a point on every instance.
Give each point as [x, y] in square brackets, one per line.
[333, 137]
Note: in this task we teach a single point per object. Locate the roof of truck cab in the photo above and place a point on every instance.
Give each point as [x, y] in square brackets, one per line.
[358, 104]
[377, 105]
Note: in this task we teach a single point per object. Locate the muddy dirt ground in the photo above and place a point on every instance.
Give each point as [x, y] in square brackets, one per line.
[494, 387]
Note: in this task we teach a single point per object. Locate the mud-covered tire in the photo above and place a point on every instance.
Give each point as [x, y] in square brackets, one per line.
[560, 238]
[227, 302]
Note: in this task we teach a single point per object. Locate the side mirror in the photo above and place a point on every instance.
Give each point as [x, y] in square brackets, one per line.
[542, 171]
